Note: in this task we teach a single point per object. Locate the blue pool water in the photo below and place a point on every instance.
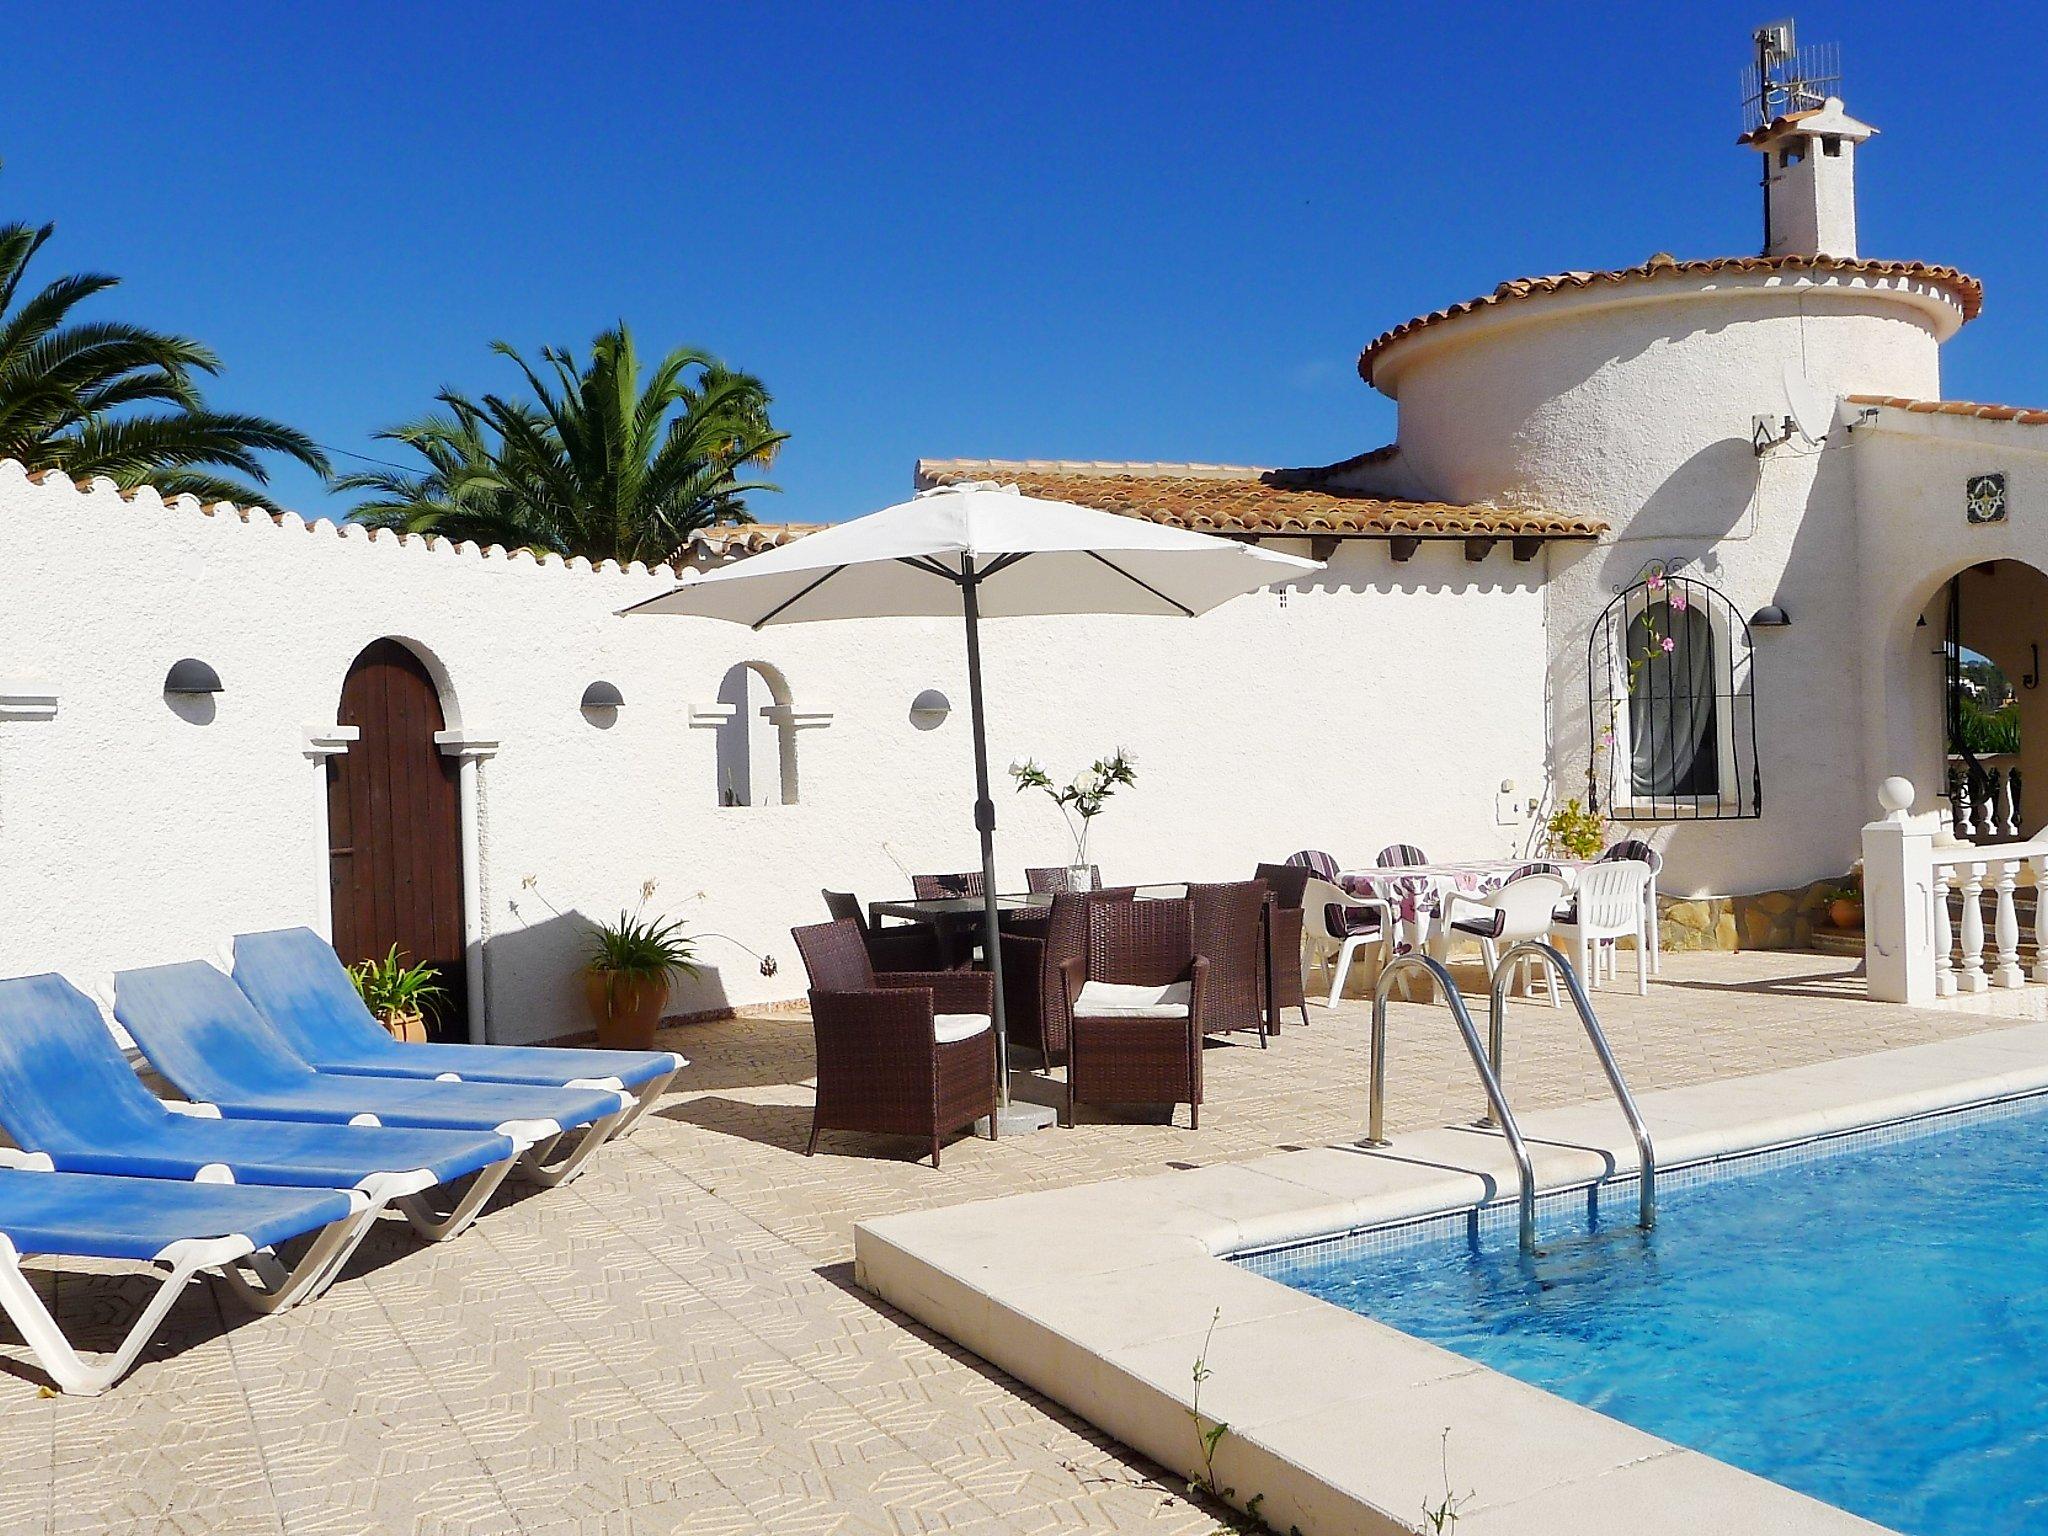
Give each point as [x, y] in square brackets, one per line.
[1865, 1321]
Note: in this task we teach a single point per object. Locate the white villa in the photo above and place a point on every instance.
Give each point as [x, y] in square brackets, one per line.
[1747, 456]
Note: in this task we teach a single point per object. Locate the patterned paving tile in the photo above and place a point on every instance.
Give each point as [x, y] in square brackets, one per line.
[672, 1344]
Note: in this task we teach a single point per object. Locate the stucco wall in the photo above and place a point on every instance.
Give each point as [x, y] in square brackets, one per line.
[1911, 473]
[1384, 702]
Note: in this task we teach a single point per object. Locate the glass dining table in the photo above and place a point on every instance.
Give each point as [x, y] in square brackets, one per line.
[957, 921]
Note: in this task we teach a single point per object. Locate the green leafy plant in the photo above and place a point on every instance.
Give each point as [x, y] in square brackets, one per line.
[1443, 1515]
[1086, 797]
[599, 460]
[103, 397]
[1573, 832]
[639, 947]
[1209, 1433]
[396, 992]
[1988, 732]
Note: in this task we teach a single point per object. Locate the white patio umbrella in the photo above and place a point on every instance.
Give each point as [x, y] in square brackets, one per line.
[982, 551]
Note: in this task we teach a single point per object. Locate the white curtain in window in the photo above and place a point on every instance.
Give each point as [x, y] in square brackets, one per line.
[1674, 751]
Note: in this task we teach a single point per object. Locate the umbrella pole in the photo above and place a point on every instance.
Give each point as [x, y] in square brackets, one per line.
[1022, 1117]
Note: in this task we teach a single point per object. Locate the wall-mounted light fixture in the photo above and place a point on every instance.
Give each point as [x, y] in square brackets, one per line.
[1770, 616]
[929, 709]
[191, 676]
[602, 695]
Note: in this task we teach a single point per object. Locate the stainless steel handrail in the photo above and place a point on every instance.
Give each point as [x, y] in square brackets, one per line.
[1376, 1126]
[1503, 974]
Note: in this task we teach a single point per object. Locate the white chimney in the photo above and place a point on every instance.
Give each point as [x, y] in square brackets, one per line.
[1810, 180]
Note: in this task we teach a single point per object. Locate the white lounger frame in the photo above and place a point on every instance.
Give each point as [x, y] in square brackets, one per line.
[406, 1190]
[650, 1090]
[270, 1287]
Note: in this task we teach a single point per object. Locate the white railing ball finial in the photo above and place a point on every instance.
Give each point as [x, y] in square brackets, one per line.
[1895, 794]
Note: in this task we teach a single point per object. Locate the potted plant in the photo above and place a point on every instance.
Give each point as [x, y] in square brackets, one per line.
[401, 997]
[626, 978]
[1080, 802]
[1845, 908]
[1573, 832]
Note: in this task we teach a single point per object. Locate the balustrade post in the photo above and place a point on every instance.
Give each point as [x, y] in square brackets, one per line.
[1972, 978]
[2006, 926]
[1944, 934]
[2039, 865]
[1901, 964]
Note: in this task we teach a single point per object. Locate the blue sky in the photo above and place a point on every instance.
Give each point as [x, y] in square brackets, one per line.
[1139, 231]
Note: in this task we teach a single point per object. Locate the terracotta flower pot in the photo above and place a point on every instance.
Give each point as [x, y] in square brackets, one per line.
[1846, 914]
[625, 1009]
[409, 1027]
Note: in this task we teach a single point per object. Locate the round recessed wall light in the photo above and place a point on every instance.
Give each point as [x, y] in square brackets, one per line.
[602, 695]
[929, 709]
[1770, 616]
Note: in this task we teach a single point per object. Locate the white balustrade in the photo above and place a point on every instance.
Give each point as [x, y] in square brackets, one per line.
[1911, 864]
[2005, 925]
[1971, 977]
[1944, 935]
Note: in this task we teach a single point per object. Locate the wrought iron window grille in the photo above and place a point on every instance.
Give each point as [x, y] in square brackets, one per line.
[1671, 705]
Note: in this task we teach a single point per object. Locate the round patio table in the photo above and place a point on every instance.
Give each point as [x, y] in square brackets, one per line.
[1415, 892]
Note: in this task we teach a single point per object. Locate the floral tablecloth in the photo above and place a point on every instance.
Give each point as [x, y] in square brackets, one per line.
[1416, 892]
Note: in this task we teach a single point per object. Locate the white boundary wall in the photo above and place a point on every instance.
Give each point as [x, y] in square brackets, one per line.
[1382, 703]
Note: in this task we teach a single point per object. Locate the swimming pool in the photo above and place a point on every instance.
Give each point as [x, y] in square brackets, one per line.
[1864, 1319]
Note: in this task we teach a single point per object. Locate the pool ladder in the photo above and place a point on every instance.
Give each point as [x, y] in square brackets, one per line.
[1487, 1061]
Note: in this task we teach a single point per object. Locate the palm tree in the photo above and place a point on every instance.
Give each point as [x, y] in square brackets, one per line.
[597, 463]
[69, 391]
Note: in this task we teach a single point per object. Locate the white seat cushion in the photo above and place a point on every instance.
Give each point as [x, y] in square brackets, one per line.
[949, 1027]
[1123, 1000]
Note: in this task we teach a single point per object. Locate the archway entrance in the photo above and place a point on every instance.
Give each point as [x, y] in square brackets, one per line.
[1992, 624]
[394, 826]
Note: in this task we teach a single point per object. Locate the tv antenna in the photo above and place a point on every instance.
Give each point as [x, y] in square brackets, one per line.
[1786, 78]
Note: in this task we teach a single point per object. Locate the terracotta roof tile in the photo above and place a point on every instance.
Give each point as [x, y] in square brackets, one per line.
[2025, 415]
[1244, 500]
[1778, 125]
[732, 539]
[1966, 290]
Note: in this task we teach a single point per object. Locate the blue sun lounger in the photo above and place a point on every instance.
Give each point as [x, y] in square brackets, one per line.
[204, 1035]
[297, 982]
[71, 1103]
[185, 1228]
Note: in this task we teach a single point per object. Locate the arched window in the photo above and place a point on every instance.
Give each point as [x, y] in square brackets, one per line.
[756, 737]
[1671, 705]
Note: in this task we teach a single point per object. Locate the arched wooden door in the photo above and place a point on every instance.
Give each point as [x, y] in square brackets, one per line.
[394, 826]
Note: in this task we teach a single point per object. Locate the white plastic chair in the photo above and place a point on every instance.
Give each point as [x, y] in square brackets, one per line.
[1609, 906]
[1524, 908]
[1651, 859]
[1321, 946]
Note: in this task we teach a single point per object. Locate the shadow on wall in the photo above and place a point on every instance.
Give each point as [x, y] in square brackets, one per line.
[535, 977]
[1693, 504]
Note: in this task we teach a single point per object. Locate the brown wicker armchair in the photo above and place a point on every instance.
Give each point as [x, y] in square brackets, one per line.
[896, 1052]
[1286, 884]
[1136, 1003]
[1049, 880]
[1034, 993]
[906, 947]
[939, 887]
[1228, 924]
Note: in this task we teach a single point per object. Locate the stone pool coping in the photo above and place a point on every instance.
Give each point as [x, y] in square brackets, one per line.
[1102, 1296]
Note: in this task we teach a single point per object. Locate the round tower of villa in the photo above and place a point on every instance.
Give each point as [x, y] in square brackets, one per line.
[1633, 392]
[1700, 410]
